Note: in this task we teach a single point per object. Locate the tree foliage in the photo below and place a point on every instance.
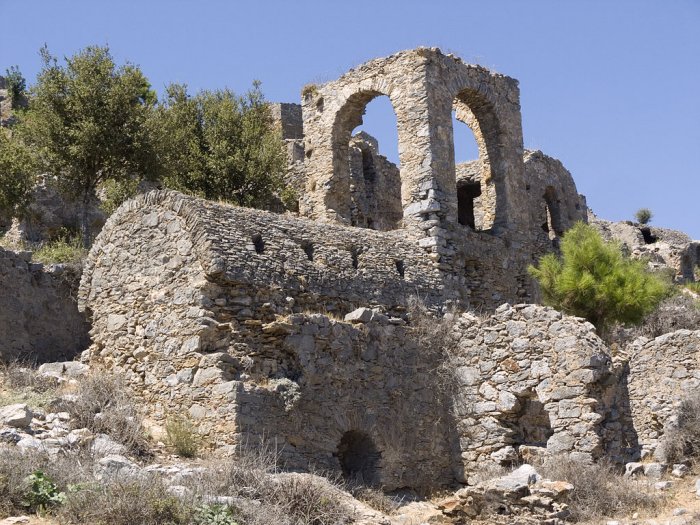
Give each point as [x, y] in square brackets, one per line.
[643, 215]
[16, 86]
[17, 176]
[219, 146]
[593, 279]
[86, 121]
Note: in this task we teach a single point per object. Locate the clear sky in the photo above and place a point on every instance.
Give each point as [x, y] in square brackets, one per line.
[611, 88]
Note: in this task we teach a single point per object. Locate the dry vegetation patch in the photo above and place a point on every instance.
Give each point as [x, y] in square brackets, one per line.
[600, 490]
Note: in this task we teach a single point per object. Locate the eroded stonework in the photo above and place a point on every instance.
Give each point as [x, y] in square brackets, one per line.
[294, 330]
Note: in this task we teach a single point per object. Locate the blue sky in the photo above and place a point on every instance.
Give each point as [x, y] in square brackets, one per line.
[611, 88]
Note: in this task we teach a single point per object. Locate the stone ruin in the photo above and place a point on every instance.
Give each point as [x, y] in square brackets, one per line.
[293, 330]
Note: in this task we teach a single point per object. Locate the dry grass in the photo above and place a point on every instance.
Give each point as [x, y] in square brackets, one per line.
[142, 500]
[105, 406]
[600, 491]
[374, 498]
[675, 313]
[285, 498]
[182, 437]
[22, 384]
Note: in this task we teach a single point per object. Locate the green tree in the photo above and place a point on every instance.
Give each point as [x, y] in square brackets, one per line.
[16, 86]
[220, 146]
[593, 279]
[17, 175]
[86, 121]
[643, 215]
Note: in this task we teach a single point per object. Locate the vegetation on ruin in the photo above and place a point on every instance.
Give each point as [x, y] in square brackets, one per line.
[643, 215]
[96, 125]
[17, 175]
[16, 86]
[66, 248]
[600, 490]
[86, 123]
[593, 279]
[182, 437]
[219, 145]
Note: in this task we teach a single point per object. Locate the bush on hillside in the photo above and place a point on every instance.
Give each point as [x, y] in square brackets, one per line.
[643, 215]
[219, 146]
[593, 279]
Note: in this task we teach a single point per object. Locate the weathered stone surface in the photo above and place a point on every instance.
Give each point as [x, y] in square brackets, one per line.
[18, 415]
[65, 369]
[39, 318]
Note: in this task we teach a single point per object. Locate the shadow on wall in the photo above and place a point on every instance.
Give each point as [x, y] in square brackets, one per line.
[39, 318]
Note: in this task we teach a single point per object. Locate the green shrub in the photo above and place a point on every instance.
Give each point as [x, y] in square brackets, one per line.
[16, 86]
[183, 437]
[42, 492]
[220, 146]
[64, 249]
[643, 215]
[213, 514]
[593, 279]
[693, 287]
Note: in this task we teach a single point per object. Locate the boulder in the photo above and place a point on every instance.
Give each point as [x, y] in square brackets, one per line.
[18, 415]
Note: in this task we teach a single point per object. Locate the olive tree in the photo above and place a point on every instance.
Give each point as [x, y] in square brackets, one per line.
[86, 123]
[17, 175]
[219, 146]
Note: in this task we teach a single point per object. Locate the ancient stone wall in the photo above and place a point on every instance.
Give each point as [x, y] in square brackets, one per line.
[530, 383]
[375, 188]
[234, 357]
[39, 318]
[660, 247]
[326, 267]
[662, 373]
[423, 86]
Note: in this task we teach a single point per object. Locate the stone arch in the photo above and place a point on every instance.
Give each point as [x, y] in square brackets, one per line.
[359, 458]
[347, 118]
[553, 221]
[477, 112]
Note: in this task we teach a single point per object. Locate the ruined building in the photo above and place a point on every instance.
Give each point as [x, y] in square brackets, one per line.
[250, 322]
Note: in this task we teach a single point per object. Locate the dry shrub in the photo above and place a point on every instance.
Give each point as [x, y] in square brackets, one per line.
[599, 490]
[19, 376]
[431, 331]
[675, 313]
[142, 500]
[307, 500]
[68, 470]
[104, 405]
[682, 441]
[374, 498]
[284, 499]
[183, 437]
[22, 384]
[14, 468]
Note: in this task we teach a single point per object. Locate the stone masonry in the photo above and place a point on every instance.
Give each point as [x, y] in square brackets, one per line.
[299, 330]
[39, 318]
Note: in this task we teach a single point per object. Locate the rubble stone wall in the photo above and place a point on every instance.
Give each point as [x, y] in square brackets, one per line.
[422, 85]
[663, 372]
[39, 318]
[530, 383]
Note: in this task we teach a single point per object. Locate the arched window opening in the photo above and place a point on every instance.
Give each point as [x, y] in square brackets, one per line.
[475, 193]
[359, 458]
[552, 224]
[375, 178]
